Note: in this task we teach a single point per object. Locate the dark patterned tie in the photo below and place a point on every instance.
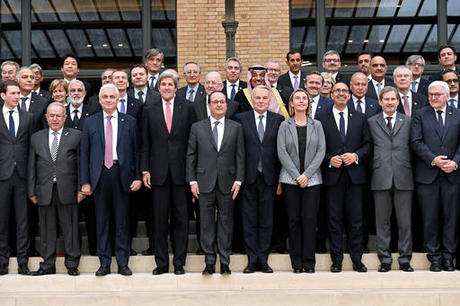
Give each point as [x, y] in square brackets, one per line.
[389, 125]
[140, 96]
[342, 126]
[76, 120]
[440, 122]
[12, 130]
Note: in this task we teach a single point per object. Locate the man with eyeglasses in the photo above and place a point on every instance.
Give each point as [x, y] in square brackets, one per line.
[416, 64]
[435, 139]
[451, 78]
[273, 74]
[332, 64]
[447, 57]
[409, 101]
[344, 176]
[194, 90]
[106, 78]
[37, 70]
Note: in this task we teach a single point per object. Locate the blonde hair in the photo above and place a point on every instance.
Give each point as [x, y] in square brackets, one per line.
[59, 82]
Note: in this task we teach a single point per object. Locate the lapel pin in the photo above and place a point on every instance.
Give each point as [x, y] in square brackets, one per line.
[450, 113]
[87, 115]
[122, 119]
[66, 134]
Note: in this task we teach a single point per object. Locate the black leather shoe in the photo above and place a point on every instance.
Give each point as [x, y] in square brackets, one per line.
[297, 271]
[308, 270]
[435, 267]
[179, 270]
[148, 252]
[448, 266]
[3, 269]
[250, 268]
[102, 271]
[406, 267]
[24, 270]
[265, 268]
[41, 272]
[159, 271]
[224, 269]
[360, 267]
[209, 270]
[124, 270]
[73, 271]
[336, 268]
[132, 252]
[384, 267]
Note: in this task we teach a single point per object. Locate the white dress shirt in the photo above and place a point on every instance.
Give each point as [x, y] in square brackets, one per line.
[125, 97]
[291, 76]
[220, 130]
[443, 115]
[264, 120]
[155, 81]
[195, 89]
[51, 138]
[6, 116]
[409, 99]
[171, 107]
[314, 105]
[229, 88]
[136, 93]
[29, 96]
[393, 119]
[79, 110]
[363, 103]
[336, 114]
[114, 122]
[374, 82]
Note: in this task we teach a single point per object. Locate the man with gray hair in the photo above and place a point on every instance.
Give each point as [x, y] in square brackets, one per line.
[332, 64]
[153, 59]
[435, 140]
[416, 64]
[53, 185]
[409, 101]
[76, 111]
[233, 84]
[194, 90]
[38, 73]
[9, 69]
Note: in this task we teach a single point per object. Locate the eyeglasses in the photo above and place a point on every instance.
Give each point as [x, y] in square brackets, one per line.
[273, 70]
[52, 116]
[451, 81]
[436, 95]
[332, 60]
[340, 91]
[417, 65]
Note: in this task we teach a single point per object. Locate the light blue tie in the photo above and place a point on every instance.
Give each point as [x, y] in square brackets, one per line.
[452, 102]
[414, 86]
[122, 106]
[260, 131]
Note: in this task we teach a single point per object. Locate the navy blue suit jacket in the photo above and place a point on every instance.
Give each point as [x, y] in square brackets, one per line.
[357, 140]
[324, 105]
[265, 149]
[372, 107]
[134, 108]
[428, 142]
[93, 147]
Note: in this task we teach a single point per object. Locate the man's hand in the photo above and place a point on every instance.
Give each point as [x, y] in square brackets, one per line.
[80, 197]
[33, 199]
[136, 185]
[195, 190]
[279, 190]
[449, 166]
[336, 161]
[146, 180]
[302, 180]
[235, 190]
[440, 161]
[86, 189]
[349, 158]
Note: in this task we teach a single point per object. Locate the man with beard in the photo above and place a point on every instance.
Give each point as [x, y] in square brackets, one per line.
[294, 78]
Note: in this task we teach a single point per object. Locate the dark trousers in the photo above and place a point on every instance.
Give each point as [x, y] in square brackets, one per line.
[280, 228]
[345, 203]
[223, 235]
[170, 203]
[112, 201]
[86, 208]
[140, 205]
[257, 214]
[67, 217]
[302, 209]
[14, 196]
[439, 204]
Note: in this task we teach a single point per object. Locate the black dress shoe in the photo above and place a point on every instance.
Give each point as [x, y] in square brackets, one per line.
[336, 268]
[406, 267]
[250, 268]
[265, 268]
[225, 269]
[24, 270]
[297, 270]
[41, 272]
[209, 270]
[179, 270]
[73, 271]
[308, 270]
[360, 267]
[124, 270]
[103, 270]
[448, 266]
[132, 252]
[384, 267]
[435, 267]
[148, 252]
[160, 270]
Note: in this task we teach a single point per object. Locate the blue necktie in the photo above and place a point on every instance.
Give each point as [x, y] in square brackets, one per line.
[12, 132]
[233, 92]
[441, 124]
[452, 102]
[122, 106]
[414, 86]
[342, 126]
[359, 109]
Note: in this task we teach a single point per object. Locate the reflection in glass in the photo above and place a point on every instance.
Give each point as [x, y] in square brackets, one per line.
[337, 37]
[377, 38]
[396, 39]
[356, 39]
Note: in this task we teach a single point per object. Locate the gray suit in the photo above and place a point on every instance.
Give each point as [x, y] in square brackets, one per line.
[59, 197]
[392, 184]
[215, 171]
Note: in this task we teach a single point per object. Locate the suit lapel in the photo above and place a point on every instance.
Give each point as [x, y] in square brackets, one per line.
[350, 124]
[383, 125]
[159, 113]
[252, 123]
[210, 135]
[62, 141]
[398, 123]
[100, 127]
[227, 131]
[447, 121]
[293, 130]
[177, 110]
[21, 128]
[4, 127]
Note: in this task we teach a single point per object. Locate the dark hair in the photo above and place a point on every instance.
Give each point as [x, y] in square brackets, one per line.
[72, 56]
[445, 47]
[139, 66]
[365, 53]
[216, 92]
[292, 52]
[448, 71]
[4, 86]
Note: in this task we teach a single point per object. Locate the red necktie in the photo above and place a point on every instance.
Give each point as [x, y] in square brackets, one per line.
[168, 116]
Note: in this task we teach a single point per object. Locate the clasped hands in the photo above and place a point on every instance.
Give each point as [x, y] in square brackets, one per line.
[444, 163]
[347, 159]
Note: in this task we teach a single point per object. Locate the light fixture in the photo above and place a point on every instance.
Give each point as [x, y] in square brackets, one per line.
[350, 40]
[120, 45]
[382, 40]
[366, 40]
[104, 45]
[89, 45]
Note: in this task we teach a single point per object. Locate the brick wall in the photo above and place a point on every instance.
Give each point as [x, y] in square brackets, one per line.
[262, 34]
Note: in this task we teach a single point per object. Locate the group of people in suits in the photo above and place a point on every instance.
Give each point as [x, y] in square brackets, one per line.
[231, 149]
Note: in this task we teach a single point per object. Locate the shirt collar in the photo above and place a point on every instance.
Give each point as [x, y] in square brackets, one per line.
[336, 111]
[164, 102]
[195, 89]
[385, 116]
[114, 115]
[124, 97]
[291, 74]
[256, 114]
[28, 96]
[355, 99]
[221, 120]
[59, 132]
[6, 110]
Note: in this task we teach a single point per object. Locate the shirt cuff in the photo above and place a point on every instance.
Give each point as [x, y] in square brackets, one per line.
[145, 172]
[193, 183]
[357, 159]
[237, 182]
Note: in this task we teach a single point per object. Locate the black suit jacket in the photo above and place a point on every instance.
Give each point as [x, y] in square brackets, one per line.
[241, 85]
[182, 92]
[418, 101]
[149, 98]
[37, 107]
[340, 77]
[163, 152]
[13, 153]
[423, 87]
[371, 93]
[134, 108]
[200, 110]
[284, 80]
[427, 142]
[438, 76]
[85, 113]
[372, 107]
[285, 93]
[255, 149]
[357, 141]
[45, 94]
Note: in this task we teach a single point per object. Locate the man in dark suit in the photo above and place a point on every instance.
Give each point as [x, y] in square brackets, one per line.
[332, 64]
[233, 84]
[451, 78]
[53, 185]
[140, 90]
[294, 78]
[153, 59]
[364, 62]
[260, 128]
[37, 70]
[447, 57]
[192, 74]
[70, 70]
[392, 182]
[273, 74]
[215, 170]
[378, 79]
[416, 64]
[435, 138]
[344, 175]
[358, 101]
[9, 70]
[319, 104]
[166, 125]
[409, 101]
[109, 166]
[16, 126]
[106, 77]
